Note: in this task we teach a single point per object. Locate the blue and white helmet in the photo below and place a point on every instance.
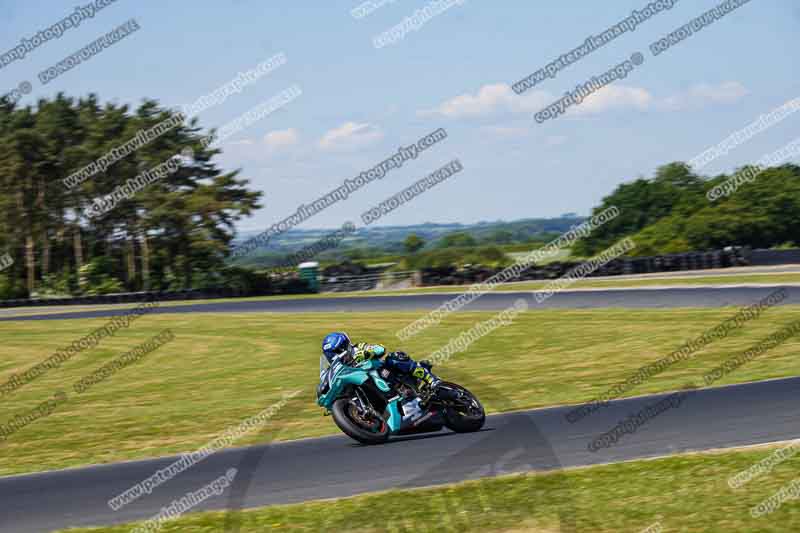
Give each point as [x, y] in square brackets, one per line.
[335, 344]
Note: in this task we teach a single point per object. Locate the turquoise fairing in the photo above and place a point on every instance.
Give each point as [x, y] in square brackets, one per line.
[341, 376]
[395, 420]
[379, 382]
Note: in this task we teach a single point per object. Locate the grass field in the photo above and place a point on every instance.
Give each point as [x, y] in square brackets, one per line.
[687, 493]
[221, 369]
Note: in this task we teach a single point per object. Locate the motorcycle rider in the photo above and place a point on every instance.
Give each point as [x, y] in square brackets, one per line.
[337, 343]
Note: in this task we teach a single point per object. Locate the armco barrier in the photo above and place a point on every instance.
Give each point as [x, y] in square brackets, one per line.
[775, 257]
[289, 287]
[734, 256]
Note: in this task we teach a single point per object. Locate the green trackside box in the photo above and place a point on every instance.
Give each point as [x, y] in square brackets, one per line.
[309, 271]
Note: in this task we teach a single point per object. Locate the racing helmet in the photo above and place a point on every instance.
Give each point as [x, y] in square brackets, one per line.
[335, 344]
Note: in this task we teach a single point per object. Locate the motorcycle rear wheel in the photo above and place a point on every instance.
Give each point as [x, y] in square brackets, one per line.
[347, 419]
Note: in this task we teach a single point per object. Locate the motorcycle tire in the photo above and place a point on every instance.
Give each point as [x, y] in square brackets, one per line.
[339, 410]
[457, 421]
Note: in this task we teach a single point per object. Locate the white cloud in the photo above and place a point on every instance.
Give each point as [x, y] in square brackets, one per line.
[280, 139]
[613, 97]
[490, 99]
[496, 99]
[350, 136]
[702, 94]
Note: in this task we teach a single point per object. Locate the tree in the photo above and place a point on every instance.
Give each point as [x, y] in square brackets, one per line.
[180, 225]
[673, 190]
[501, 236]
[413, 243]
[458, 238]
[671, 213]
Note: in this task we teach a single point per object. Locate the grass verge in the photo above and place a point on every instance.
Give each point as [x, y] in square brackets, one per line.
[221, 369]
[687, 493]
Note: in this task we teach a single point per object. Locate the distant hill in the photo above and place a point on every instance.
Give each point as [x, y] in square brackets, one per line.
[387, 236]
[387, 241]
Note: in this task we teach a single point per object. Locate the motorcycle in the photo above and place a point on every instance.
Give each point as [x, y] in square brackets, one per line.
[369, 402]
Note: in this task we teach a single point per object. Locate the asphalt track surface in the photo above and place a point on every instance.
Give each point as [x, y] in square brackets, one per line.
[577, 299]
[336, 466]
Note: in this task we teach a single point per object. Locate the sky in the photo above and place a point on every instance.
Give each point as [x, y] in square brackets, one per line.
[360, 102]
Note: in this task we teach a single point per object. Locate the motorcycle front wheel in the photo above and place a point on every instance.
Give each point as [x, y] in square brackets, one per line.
[463, 413]
[364, 429]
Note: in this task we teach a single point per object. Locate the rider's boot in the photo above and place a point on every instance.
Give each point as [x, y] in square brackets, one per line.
[427, 381]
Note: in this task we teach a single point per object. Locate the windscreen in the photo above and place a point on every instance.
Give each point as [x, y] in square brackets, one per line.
[324, 365]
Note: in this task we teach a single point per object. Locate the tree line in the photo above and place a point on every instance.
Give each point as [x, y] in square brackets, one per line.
[672, 213]
[173, 234]
[176, 232]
